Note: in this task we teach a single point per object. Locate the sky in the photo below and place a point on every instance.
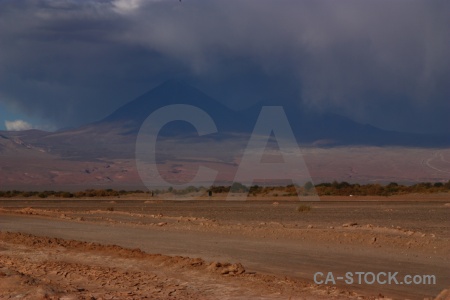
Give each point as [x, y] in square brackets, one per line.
[64, 63]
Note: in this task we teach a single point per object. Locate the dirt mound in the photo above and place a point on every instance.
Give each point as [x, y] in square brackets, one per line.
[114, 250]
[33, 267]
[444, 295]
[227, 268]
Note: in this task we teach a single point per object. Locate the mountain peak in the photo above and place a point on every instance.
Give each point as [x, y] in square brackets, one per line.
[307, 127]
[172, 89]
[174, 92]
[172, 83]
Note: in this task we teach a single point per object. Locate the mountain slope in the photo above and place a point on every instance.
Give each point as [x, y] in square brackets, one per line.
[103, 153]
[309, 128]
[133, 114]
[115, 135]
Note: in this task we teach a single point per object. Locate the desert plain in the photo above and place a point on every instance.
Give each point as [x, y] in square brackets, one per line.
[141, 247]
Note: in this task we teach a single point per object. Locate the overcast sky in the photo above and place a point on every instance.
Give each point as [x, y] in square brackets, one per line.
[387, 63]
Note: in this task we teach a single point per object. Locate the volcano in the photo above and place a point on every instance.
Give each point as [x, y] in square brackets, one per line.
[115, 135]
[133, 114]
[309, 128]
[103, 153]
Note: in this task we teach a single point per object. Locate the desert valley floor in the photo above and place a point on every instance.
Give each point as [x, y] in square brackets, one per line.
[145, 248]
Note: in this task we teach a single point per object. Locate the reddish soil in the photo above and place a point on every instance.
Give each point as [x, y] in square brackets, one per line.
[71, 250]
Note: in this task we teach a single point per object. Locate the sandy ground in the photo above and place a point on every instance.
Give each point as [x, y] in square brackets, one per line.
[48, 268]
[26, 162]
[248, 250]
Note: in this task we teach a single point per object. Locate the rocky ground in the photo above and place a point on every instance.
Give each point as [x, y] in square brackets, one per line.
[40, 267]
[49, 268]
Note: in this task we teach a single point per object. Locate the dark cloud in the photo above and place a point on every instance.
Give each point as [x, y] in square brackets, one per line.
[379, 62]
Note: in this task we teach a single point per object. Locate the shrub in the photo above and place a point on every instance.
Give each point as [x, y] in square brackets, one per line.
[238, 187]
[308, 186]
[66, 195]
[303, 208]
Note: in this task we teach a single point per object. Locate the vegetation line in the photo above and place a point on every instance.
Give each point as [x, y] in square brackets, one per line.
[323, 189]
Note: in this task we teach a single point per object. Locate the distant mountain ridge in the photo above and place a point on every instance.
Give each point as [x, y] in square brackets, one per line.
[309, 128]
[117, 132]
[103, 153]
[134, 113]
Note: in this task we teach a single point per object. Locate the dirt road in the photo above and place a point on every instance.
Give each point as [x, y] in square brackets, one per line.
[297, 257]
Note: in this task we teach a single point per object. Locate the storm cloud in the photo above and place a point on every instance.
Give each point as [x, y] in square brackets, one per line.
[380, 62]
